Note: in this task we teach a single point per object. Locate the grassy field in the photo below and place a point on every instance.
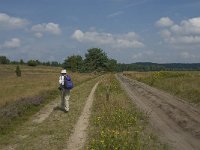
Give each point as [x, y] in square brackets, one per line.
[34, 80]
[116, 123]
[23, 96]
[180, 83]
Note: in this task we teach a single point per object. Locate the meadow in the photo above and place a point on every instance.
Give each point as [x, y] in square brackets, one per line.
[33, 81]
[116, 123]
[21, 97]
[184, 84]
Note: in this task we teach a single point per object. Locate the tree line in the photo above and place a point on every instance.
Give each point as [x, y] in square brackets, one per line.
[97, 60]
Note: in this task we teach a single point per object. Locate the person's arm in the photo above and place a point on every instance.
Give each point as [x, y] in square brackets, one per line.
[60, 80]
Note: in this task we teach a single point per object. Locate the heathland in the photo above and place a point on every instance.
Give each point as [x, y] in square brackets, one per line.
[115, 122]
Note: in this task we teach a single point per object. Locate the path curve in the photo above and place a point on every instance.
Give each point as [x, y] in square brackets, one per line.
[173, 120]
[77, 139]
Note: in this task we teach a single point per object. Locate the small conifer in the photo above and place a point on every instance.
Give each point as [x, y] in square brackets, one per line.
[18, 71]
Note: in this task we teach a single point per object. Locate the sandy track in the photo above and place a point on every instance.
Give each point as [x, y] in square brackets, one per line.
[78, 138]
[172, 119]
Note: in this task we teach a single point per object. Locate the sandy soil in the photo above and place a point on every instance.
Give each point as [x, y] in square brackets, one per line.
[78, 138]
[173, 120]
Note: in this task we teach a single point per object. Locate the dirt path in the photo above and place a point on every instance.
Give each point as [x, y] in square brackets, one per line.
[44, 113]
[48, 129]
[173, 120]
[78, 138]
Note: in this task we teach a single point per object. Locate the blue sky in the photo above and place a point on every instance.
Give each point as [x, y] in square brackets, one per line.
[161, 31]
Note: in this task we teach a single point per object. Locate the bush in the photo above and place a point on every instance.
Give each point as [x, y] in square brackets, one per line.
[18, 71]
[4, 60]
[32, 63]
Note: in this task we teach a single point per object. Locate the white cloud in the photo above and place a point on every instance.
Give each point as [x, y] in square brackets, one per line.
[40, 29]
[13, 43]
[164, 22]
[9, 22]
[187, 55]
[185, 33]
[38, 35]
[129, 40]
[115, 14]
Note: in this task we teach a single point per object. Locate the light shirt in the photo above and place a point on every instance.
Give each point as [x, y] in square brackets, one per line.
[61, 80]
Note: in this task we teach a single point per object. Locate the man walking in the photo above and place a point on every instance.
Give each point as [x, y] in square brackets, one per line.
[65, 93]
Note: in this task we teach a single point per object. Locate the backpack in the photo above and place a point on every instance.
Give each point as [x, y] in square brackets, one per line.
[68, 84]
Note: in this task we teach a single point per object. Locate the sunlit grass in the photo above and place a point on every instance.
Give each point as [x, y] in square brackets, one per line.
[115, 121]
[32, 82]
[183, 84]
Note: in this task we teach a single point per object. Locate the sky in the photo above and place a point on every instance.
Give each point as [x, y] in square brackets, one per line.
[159, 31]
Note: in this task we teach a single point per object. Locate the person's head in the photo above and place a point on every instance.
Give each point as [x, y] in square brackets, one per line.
[63, 72]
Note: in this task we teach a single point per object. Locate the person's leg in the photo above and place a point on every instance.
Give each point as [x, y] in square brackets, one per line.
[62, 104]
[67, 96]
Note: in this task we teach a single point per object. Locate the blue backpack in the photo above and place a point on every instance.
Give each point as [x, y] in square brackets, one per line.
[68, 84]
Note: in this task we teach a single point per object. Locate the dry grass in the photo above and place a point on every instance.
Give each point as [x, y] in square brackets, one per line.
[33, 81]
[53, 133]
[183, 84]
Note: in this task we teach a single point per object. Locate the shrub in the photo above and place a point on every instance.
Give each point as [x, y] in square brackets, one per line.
[32, 63]
[18, 71]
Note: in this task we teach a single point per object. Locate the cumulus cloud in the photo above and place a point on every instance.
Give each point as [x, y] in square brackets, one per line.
[9, 22]
[51, 28]
[187, 32]
[129, 40]
[164, 22]
[13, 43]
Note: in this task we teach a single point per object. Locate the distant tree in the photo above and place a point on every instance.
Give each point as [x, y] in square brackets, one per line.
[55, 64]
[96, 60]
[38, 62]
[21, 61]
[74, 63]
[112, 65]
[4, 60]
[18, 71]
[14, 62]
[32, 63]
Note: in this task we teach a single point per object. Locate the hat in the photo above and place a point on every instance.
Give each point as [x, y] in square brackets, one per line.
[63, 71]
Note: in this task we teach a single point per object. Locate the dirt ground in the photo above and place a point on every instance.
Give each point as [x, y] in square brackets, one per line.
[51, 128]
[78, 138]
[172, 119]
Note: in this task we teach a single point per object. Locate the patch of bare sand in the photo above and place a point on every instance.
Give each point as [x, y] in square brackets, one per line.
[77, 139]
[173, 120]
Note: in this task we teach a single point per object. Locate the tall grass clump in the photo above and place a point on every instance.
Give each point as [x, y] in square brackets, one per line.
[116, 123]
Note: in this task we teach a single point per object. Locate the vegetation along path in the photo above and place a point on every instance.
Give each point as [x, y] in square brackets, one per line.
[50, 129]
[175, 121]
[78, 138]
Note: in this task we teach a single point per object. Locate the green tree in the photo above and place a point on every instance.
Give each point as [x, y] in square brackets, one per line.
[32, 63]
[112, 65]
[18, 71]
[4, 60]
[74, 63]
[21, 61]
[96, 60]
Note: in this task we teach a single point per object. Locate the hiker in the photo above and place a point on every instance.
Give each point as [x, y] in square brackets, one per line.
[65, 91]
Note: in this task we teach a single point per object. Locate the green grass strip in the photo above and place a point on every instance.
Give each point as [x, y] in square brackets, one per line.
[116, 123]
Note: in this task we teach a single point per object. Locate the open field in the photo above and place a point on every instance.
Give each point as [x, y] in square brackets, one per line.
[53, 132]
[21, 97]
[116, 123]
[183, 84]
[33, 81]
